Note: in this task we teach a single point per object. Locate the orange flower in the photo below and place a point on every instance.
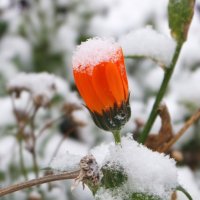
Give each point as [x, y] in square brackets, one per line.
[100, 76]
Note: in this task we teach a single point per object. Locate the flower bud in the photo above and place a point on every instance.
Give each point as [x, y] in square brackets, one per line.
[100, 76]
[180, 13]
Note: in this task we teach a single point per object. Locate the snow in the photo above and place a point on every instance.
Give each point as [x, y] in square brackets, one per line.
[154, 78]
[4, 4]
[63, 31]
[189, 56]
[103, 194]
[123, 16]
[16, 47]
[187, 181]
[95, 51]
[100, 153]
[6, 114]
[187, 87]
[7, 68]
[66, 162]
[7, 144]
[41, 85]
[148, 172]
[149, 43]
[68, 147]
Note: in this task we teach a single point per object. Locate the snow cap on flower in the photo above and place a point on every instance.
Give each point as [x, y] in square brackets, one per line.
[94, 51]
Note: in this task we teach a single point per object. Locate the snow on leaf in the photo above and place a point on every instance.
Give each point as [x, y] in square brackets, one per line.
[146, 42]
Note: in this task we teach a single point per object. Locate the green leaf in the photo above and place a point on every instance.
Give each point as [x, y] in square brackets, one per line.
[180, 13]
[113, 177]
[141, 196]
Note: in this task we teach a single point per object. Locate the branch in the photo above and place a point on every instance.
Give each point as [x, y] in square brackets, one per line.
[160, 95]
[188, 123]
[38, 181]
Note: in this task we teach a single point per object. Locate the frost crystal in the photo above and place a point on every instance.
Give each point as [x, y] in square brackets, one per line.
[149, 43]
[94, 51]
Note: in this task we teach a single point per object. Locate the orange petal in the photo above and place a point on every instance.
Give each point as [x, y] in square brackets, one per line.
[115, 83]
[84, 85]
[122, 69]
[101, 86]
[121, 65]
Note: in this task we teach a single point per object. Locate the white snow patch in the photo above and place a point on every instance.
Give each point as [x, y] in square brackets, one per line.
[6, 114]
[7, 68]
[154, 78]
[7, 144]
[100, 153]
[95, 51]
[66, 162]
[4, 4]
[71, 146]
[187, 87]
[123, 16]
[42, 86]
[148, 172]
[187, 181]
[149, 43]
[15, 46]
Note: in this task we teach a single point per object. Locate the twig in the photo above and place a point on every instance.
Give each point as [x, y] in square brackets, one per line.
[38, 181]
[20, 130]
[160, 95]
[21, 157]
[190, 122]
[60, 143]
[48, 124]
[34, 157]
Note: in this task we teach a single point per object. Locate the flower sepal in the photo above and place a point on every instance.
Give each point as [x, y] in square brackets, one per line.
[114, 118]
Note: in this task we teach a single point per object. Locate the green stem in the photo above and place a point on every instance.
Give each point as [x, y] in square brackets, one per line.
[23, 168]
[180, 188]
[117, 137]
[34, 156]
[160, 95]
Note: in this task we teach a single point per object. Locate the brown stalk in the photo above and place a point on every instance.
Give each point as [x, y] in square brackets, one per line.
[38, 181]
[187, 125]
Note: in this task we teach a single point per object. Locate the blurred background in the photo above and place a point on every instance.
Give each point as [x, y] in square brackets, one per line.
[40, 36]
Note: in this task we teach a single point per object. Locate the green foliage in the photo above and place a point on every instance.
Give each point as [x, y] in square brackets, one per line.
[180, 13]
[44, 60]
[3, 27]
[112, 177]
[2, 85]
[140, 196]
[2, 176]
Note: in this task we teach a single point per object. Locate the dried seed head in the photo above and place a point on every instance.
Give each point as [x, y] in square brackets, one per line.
[89, 171]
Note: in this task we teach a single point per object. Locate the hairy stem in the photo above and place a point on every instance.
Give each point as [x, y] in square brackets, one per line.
[117, 137]
[168, 73]
[38, 181]
[180, 188]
